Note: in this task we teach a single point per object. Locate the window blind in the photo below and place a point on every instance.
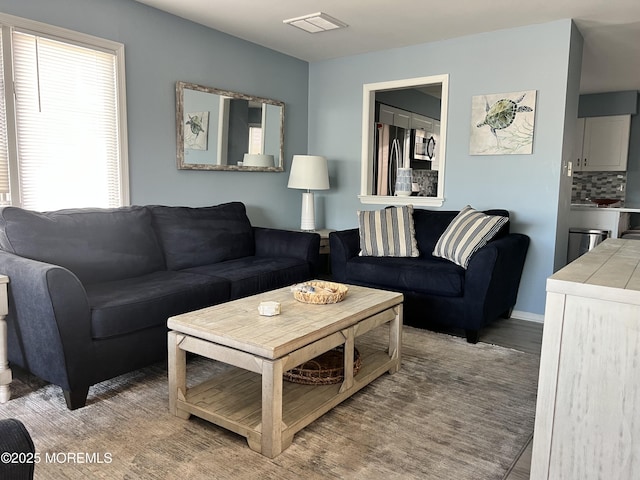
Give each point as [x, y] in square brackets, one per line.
[4, 148]
[67, 124]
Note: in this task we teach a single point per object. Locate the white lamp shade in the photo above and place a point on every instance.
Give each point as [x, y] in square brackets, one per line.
[257, 160]
[309, 172]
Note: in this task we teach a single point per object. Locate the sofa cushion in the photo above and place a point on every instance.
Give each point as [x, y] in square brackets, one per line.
[251, 275]
[388, 232]
[97, 245]
[200, 236]
[424, 275]
[469, 231]
[429, 225]
[133, 304]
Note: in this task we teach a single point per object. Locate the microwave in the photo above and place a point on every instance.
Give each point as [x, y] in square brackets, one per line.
[423, 145]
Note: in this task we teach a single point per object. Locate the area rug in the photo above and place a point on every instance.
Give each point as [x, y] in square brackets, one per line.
[453, 411]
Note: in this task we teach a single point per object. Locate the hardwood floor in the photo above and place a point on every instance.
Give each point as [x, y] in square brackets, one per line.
[514, 333]
[527, 337]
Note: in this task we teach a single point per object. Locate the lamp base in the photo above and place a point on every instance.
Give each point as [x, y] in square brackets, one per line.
[308, 216]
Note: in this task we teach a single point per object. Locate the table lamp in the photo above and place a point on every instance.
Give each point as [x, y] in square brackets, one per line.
[308, 172]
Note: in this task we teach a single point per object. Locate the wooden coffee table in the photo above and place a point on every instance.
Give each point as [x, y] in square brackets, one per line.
[252, 399]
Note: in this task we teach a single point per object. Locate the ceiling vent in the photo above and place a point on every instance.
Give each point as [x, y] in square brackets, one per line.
[316, 22]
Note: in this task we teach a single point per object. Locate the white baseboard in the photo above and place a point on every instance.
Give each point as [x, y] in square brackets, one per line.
[530, 317]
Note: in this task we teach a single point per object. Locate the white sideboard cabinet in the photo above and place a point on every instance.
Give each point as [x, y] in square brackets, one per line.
[602, 143]
[588, 407]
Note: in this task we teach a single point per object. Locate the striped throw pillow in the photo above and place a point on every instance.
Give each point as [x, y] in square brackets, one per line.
[469, 231]
[388, 233]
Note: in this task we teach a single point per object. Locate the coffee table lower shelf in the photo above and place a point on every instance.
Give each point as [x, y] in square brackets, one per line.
[233, 399]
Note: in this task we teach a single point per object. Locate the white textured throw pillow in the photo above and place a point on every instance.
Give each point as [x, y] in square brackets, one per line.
[388, 233]
[467, 232]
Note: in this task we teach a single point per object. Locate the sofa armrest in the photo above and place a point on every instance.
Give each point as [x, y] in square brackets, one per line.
[49, 321]
[14, 438]
[271, 242]
[344, 244]
[493, 276]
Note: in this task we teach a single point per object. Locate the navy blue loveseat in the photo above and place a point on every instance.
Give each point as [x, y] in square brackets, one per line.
[437, 292]
[90, 290]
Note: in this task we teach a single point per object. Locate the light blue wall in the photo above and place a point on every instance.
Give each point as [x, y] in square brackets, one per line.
[161, 49]
[528, 58]
[195, 101]
[323, 115]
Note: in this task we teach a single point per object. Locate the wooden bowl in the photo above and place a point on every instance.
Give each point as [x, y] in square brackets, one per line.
[604, 202]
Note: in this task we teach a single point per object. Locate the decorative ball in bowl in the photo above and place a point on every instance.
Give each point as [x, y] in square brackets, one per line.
[319, 292]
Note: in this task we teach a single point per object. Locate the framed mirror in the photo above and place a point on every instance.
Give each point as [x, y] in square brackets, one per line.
[222, 130]
[404, 126]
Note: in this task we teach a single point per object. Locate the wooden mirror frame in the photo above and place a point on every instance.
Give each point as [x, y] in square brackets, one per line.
[180, 155]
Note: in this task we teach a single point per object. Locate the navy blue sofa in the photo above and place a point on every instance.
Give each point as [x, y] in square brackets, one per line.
[438, 293]
[90, 290]
[16, 444]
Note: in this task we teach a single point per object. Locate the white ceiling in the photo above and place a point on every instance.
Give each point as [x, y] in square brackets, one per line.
[611, 28]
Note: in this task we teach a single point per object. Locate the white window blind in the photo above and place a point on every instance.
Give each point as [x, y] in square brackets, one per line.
[4, 149]
[66, 109]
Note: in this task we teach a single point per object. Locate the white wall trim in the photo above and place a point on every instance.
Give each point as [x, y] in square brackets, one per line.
[528, 316]
[368, 115]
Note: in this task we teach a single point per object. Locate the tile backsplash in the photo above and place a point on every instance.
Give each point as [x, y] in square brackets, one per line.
[427, 181]
[598, 185]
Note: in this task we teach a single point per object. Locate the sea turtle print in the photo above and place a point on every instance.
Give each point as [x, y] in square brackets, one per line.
[195, 123]
[502, 113]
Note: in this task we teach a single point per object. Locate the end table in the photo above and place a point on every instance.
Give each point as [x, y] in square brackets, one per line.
[325, 249]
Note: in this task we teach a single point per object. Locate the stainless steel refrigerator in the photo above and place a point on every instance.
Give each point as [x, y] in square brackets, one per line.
[390, 153]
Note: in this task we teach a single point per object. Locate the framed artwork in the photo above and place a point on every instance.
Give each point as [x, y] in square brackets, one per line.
[196, 129]
[502, 124]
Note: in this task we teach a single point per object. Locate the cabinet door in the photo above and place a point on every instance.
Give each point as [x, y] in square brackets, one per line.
[606, 143]
[394, 116]
[595, 429]
[386, 115]
[402, 119]
[578, 159]
[424, 123]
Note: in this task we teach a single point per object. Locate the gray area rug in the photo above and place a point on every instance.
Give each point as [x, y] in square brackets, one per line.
[453, 411]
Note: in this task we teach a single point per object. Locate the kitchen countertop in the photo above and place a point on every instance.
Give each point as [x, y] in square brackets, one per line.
[591, 206]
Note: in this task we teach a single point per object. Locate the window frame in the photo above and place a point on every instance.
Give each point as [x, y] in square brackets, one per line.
[9, 24]
[369, 90]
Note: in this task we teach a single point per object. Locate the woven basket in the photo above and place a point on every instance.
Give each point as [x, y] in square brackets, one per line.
[325, 369]
[325, 292]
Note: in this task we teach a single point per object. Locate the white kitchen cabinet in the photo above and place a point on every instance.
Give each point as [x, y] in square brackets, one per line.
[577, 146]
[602, 143]
[402, 118]
[422, 122]
[394, 116]
[587, 424]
